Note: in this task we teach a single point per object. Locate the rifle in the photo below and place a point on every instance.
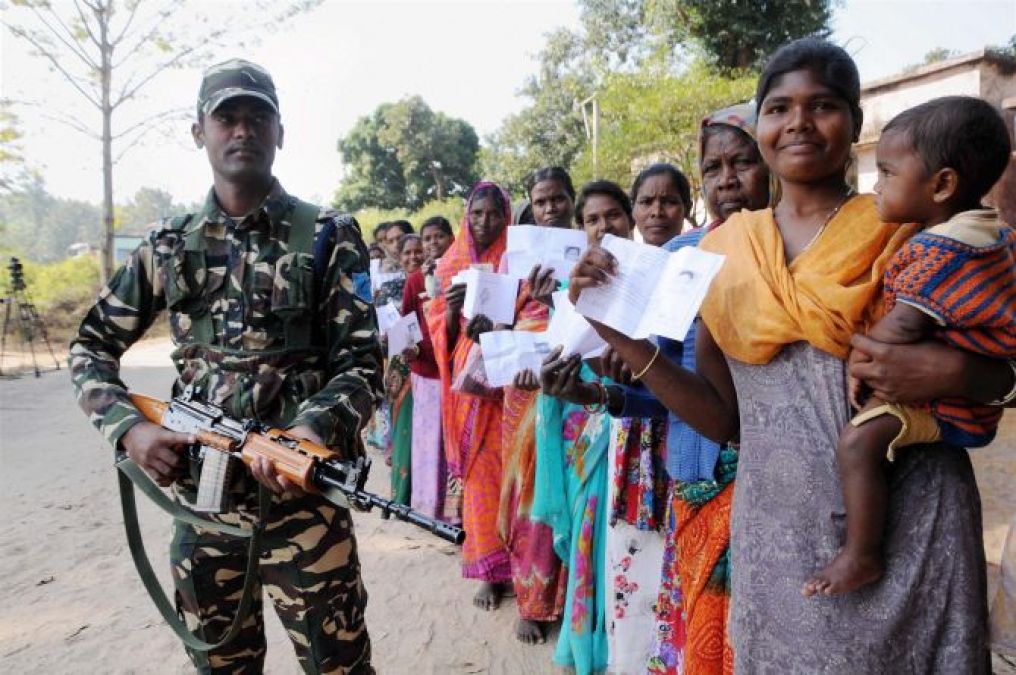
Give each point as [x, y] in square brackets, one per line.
[314, 468]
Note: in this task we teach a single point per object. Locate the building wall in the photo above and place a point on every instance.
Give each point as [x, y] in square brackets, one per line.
[881, 104]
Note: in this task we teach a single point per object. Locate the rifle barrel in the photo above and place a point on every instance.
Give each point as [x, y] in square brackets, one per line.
[369, 500]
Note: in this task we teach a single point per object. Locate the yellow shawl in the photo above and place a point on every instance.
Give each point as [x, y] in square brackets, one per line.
[758, 303]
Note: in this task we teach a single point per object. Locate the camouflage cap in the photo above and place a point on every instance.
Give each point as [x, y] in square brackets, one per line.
[234, 78]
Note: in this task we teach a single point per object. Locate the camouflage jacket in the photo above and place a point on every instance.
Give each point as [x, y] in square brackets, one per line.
[255, 327]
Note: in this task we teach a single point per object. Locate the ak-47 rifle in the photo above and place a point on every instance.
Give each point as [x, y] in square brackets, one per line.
[312, 467]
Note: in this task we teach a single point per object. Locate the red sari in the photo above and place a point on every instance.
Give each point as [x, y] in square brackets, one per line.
[538, 576]
[472, 425]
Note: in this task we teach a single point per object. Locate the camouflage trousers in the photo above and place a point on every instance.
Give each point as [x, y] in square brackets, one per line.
[309, 567]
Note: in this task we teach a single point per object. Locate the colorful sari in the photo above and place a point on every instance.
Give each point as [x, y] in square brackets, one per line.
[537, 574]
[571, 497]
[691, 609]
[398, 387]
[378, 432]
[634, 544]
[472, 425]
[430, 475]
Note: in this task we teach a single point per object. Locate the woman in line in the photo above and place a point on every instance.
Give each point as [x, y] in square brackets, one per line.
[378, 432]
[573, 432]
[398, 389]
[389, 240]
[429, 467]
[661, 203]
[537, 574]
[799, 280]
[692, 607]
[472, 424]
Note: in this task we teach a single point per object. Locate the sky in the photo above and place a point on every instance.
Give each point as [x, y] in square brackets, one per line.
[466, 58]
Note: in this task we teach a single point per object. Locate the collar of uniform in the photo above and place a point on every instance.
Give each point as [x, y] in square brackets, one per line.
[268, 214]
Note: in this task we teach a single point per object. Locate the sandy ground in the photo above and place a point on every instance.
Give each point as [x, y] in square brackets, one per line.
[70, 601]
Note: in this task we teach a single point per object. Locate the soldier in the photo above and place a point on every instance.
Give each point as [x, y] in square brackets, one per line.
[268, 319]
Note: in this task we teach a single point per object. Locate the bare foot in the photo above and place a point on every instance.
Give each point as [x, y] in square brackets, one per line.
[530, 632]
[847, 572]
[489, 596]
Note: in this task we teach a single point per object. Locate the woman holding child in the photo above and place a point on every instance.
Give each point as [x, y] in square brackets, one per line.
[798, 282]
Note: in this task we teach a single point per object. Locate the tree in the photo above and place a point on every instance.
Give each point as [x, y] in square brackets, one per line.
[373, 173]
[655, 115]
[109, 51]
[437, 152]
[739, 34]
[39, 226]
[550, 131]
[147, 206]
[11, 160]
[403, 155]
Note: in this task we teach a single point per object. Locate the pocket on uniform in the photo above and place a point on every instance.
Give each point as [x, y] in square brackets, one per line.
[261, 294]
[184, 278]
[293, 289]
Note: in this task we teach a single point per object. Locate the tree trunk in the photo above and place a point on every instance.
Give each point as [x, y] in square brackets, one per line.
[438, 182]
[105, 74]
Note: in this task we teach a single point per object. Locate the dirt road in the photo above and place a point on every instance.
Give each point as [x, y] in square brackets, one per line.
[70, 601]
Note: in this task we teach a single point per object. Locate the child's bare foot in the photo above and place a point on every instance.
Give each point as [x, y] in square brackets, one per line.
[847, 572]
[530, 632]
[489, 596]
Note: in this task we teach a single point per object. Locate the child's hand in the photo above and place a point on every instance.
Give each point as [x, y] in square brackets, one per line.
[857, 390]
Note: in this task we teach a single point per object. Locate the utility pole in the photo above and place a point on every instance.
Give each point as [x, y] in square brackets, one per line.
[591, 121]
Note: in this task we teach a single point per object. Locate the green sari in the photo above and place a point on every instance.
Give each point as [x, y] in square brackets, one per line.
[571, 497]
[400, 392]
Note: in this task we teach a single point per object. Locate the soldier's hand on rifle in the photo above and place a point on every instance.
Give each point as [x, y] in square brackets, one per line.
[157, 450]
[263, 469]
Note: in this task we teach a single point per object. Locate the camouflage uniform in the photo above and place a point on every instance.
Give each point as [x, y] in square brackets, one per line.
[265, 335]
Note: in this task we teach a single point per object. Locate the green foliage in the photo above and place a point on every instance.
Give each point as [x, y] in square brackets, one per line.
[452, 208]
[70, 283]
[739, 34]
[405, 154]
[550, 131]
[147, 206]
[11, 159]
[373, 173]
[40, 226]
[939, 54]
[654, 115]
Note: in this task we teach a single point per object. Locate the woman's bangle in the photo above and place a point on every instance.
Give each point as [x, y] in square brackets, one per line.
[635, 378]
[1011, 396]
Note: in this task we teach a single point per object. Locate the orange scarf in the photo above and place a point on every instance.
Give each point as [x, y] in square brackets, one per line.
[758, 303]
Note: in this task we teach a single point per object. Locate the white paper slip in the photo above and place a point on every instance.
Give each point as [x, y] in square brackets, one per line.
[403, 334]
[549, 247]
[508, 352]
[570, 330]
[492, 295]
[654, 292]
[375, 266]
[387, 315]
[383, 277]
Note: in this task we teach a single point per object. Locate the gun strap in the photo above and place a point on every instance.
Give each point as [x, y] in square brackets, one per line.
[129, 475]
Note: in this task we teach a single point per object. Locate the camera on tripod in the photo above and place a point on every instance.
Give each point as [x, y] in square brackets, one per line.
[17, 272]
[27, 324]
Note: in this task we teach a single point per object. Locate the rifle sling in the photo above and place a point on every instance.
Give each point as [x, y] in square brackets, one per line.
[129, 475]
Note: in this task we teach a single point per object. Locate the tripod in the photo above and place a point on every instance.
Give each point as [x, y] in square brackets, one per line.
[29, 324]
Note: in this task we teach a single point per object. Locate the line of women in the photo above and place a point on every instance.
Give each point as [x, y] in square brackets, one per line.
[666, 500]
